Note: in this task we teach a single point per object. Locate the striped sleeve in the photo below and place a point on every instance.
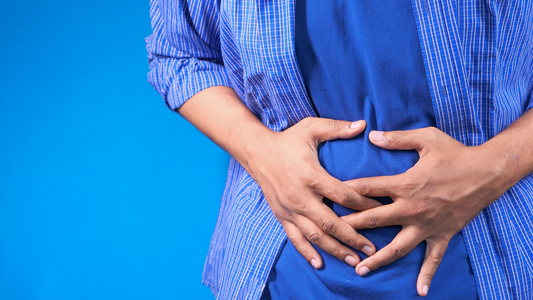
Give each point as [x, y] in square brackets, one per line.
[184, 49]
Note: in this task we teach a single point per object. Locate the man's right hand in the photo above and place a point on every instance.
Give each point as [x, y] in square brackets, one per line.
[286, 167]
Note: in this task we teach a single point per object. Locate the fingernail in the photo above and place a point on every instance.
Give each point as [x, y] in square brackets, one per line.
[376, 135]
[350, 260]
[355, 124]
[425, 290]
[367, 250]
[314, 263]
[363, 271]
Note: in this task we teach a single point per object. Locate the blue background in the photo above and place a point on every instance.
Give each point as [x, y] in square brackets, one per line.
[104, 192]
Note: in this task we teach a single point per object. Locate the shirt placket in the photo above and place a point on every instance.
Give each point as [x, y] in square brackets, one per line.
[455, 115]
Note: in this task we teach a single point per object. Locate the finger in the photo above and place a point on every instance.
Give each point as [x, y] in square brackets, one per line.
[322, 129]
[379, 186]
[324, 241]
[340, 193]
[405, 241]
[326, 221]
[385, 215]
[434, 253]
[302, 245]
[403, 140]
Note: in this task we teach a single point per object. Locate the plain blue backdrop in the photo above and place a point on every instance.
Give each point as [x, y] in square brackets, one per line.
[104, 192]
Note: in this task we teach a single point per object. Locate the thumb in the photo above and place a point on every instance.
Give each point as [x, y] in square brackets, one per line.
[403, 140]
[322, 129]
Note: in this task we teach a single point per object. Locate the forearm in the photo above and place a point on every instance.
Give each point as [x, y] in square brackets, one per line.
[446, 189]
[220, 115]
[286, 167]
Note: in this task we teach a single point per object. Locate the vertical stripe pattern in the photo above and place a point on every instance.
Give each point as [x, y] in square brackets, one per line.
[479, 63]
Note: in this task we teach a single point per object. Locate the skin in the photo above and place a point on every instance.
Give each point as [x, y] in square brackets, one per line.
[434, 200]
[286, 167]
[447, 188]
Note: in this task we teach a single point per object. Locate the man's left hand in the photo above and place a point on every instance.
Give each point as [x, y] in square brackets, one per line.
[434, 200]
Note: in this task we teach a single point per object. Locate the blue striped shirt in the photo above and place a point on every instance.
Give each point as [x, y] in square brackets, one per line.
[478, 57]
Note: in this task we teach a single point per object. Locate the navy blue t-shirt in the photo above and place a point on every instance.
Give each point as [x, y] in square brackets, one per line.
[362, 60]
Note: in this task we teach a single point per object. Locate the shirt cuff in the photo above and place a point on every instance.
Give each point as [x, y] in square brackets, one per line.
[177, 80]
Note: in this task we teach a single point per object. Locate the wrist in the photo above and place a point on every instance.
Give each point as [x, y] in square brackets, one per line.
[500, 166]
[252, 142]
[512, 151]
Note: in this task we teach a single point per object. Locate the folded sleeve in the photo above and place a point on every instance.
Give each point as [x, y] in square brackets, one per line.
[184, 49]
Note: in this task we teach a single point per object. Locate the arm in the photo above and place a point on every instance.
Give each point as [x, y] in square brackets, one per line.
[187, 69]
[285, 165]
[448, 187]
[184, 50]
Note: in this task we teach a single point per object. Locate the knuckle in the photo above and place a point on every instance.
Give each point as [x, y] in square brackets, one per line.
[398, 251]
[431, 133]
[342, 197]
[313, 182]
[339, 253]
[337, 125]
[415, 211]
[356, 243]
[370, 220]
[314, 237]
[408, 188]
[292, 237]
[394, 137]
[328, 226]
[429, 277]
[284, 217]
[310, 178]
[306, 122]
[293, 203]
[408, 185]
[294, 240]
[436, 260]
[376, 264]
[433, 129]
[292, 196]
[362, 187]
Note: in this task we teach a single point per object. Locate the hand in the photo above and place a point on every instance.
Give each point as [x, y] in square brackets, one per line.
[434, 200]
[287, 168]
[285, 165]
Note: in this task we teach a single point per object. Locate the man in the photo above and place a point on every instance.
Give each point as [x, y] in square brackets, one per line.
[479, 65]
